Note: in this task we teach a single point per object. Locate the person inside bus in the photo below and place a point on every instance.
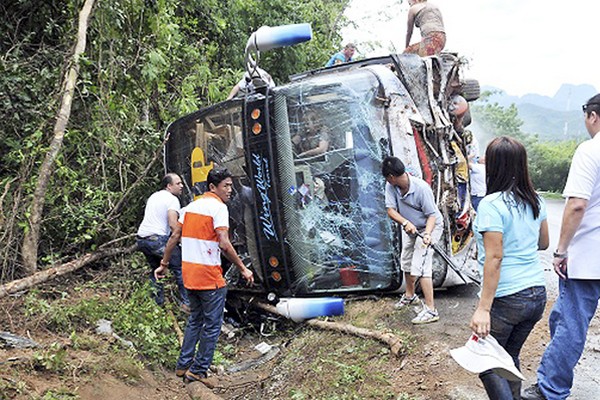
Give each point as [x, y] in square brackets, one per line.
[314, 141]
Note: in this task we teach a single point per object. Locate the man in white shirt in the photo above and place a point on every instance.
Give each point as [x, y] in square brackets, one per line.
[160, 218]
[577, 264]
[477, 176]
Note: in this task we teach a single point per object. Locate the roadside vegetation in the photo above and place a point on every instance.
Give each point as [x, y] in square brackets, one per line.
[549, 161]
[62, 319]
[146, 64]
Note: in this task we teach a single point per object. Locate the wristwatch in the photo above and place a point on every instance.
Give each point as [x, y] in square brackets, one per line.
[556, 254]
[405, 223]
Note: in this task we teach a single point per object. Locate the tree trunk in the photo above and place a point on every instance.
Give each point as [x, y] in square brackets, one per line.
[47, 274]
[31, 239]
[396, 344]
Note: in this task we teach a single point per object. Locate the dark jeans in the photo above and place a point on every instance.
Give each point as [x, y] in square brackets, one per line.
[512, 318]
[202, 330]
[153, 248]
[475, 200]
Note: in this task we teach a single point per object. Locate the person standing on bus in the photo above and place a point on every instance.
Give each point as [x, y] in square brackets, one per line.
[428, 18]
[343, 56]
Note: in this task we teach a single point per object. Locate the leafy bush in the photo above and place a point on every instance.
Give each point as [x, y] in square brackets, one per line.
[51, 359]
[549, 164]
[135, 317]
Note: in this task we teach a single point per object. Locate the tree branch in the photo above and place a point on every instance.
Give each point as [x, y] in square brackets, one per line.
[50, 273]
[31, 239]
[396, 344]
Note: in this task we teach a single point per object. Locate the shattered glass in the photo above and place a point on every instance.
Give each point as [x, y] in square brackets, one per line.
[329, 132]
[337, 140]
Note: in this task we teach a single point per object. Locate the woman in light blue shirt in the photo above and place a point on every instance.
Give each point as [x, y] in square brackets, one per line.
[510, 227]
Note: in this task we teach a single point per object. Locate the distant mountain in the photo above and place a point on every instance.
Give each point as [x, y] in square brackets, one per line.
[550, 124]
[567, 98]
[551, 118]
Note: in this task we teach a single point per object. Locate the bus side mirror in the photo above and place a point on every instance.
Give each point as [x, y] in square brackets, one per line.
[268, 38]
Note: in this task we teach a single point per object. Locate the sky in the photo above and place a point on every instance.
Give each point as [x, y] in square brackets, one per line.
[520, 46]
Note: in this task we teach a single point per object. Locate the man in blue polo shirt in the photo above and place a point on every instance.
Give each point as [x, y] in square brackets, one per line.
[343, 56]
[409, 201]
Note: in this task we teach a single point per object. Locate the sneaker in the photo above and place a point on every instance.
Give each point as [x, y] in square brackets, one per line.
[426, 316]
[406, 301]
[533, 392]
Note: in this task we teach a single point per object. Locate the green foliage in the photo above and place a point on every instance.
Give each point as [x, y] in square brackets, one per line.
[348, 373]
[51, 359]
[84, 342]
[141, 321]
[125, 366]
[59, 394]
[12, 388]
[405, 396]
[146, 64]
[64, 316]
[498, 120]
[134, 314]
[549, 162]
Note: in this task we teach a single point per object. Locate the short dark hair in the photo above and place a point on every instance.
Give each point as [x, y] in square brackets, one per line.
[216, 176]
[593, 104]
[392, 166]
[167, 179]
[350, 46]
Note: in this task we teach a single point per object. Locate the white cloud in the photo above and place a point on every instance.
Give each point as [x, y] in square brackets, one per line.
[521, 46]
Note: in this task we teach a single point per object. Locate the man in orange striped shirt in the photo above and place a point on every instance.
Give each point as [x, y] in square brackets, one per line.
[204, 231]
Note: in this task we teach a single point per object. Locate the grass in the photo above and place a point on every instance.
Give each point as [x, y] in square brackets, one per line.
[133, 313]
[326, 365]
[314, 365]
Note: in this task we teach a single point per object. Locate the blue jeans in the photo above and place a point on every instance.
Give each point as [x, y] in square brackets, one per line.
[202, 330]
[512, 318]
[153, 248]
[569, 321]
[475, 200]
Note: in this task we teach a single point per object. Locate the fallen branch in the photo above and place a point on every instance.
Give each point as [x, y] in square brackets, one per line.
[396, 344]
[176, 326]
[53, 272]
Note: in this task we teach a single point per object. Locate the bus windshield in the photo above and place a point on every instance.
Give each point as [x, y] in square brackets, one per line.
[338, 232]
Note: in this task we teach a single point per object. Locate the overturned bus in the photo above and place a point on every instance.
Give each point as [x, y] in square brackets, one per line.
[308, 213]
